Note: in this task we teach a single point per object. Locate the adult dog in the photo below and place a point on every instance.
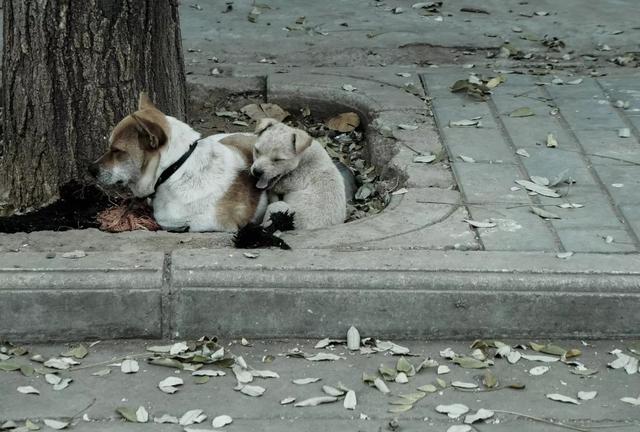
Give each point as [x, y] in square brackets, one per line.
[195, 184]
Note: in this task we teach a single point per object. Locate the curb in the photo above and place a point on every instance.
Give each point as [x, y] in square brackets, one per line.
[408, 294]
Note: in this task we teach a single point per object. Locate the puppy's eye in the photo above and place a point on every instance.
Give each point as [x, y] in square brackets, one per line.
[279, 160]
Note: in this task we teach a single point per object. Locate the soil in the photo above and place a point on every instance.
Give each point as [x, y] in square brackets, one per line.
[76, 209]
[79, 203]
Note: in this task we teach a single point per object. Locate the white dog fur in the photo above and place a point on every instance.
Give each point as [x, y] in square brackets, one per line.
[299, 176]
[211, 191]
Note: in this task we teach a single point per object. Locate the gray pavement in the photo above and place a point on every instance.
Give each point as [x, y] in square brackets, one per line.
[421, 248]
[416, 271]
[90, 400]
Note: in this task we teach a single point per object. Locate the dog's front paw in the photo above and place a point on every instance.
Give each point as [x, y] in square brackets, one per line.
[254, 236]
[282, 221]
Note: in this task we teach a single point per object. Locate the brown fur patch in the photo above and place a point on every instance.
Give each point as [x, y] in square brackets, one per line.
[243, 143]
[238, 205]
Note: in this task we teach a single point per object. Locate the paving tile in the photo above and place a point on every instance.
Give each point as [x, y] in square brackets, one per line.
[628, 176]
[632, 214]
[489, 184]
[589, 240]
[479, 143]
[517, 229]
[607, 143]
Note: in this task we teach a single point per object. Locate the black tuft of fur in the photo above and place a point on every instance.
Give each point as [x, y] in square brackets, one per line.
[281, 221]
[253, 236]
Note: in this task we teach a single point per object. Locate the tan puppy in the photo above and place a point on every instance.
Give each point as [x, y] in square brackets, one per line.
[299, 176]
[195, 183]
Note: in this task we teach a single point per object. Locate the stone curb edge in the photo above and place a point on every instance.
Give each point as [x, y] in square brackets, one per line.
[218, 292]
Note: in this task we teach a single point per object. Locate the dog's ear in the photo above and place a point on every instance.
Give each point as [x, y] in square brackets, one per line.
[151, 124]
[301, 141]
[144, 102]
[263, 124]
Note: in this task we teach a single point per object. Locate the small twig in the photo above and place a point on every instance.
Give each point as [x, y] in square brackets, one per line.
[105, 363]
[541, 420]
[84, 409]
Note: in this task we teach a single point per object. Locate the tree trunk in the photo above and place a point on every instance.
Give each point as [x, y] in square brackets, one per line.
[71, 70]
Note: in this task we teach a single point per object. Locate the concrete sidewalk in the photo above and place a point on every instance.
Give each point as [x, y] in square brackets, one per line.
[419, 269]
[90, 400]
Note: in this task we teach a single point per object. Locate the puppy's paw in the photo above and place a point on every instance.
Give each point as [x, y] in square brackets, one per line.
[282, 221]
[254, 236]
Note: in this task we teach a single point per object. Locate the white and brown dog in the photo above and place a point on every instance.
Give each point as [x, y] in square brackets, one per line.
[196, 184]
[299, 175]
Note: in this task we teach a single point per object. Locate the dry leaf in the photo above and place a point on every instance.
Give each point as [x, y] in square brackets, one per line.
[251, 390]
[78, 352]
[304, 381]
[287, 400]
[551, 141]
[564, 255]
[315, 401]
[332, 391]
[353, 339]
[544, 213]
[464, 123]
[209, 373]
[349, 88]
[464, 385]
[522, 112]
[221, 421]
[350, 400]
[166, 418]
[562, 398]
[128, 414]
[480, 224]
[191, 417]
[632, 401]
[443, 369]
[542, 190]
[345, 122]
[324, 357]
[587, 395]
[28, 390]
[624, 133]
[142, 416]
[407, 127]
[453, 411]
[540, 358]
[257, 112]
[168, 385]
[425, 158]
[129, 366]
[56, 424]
[482, 414]
[539, 370]
[467, 159]
[380, 385]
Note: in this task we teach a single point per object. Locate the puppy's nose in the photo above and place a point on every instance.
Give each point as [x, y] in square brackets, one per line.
[256, 172]
[94, 170]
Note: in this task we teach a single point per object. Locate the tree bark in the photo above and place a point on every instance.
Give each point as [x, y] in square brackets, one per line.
[71, 70]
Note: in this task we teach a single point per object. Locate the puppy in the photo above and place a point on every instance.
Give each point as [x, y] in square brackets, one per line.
[299, 176]
[195, 184]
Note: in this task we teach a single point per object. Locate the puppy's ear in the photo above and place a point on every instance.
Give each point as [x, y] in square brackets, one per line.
[144, 102]
[151, 124]
[264, 124]
[301, 141]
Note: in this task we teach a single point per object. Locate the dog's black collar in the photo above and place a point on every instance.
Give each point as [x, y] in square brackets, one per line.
[171, 169]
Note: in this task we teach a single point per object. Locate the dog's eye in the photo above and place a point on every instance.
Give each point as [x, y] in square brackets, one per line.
[279, 160]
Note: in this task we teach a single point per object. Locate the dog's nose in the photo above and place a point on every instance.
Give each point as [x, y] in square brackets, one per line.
[256, 172]
[94, 169]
